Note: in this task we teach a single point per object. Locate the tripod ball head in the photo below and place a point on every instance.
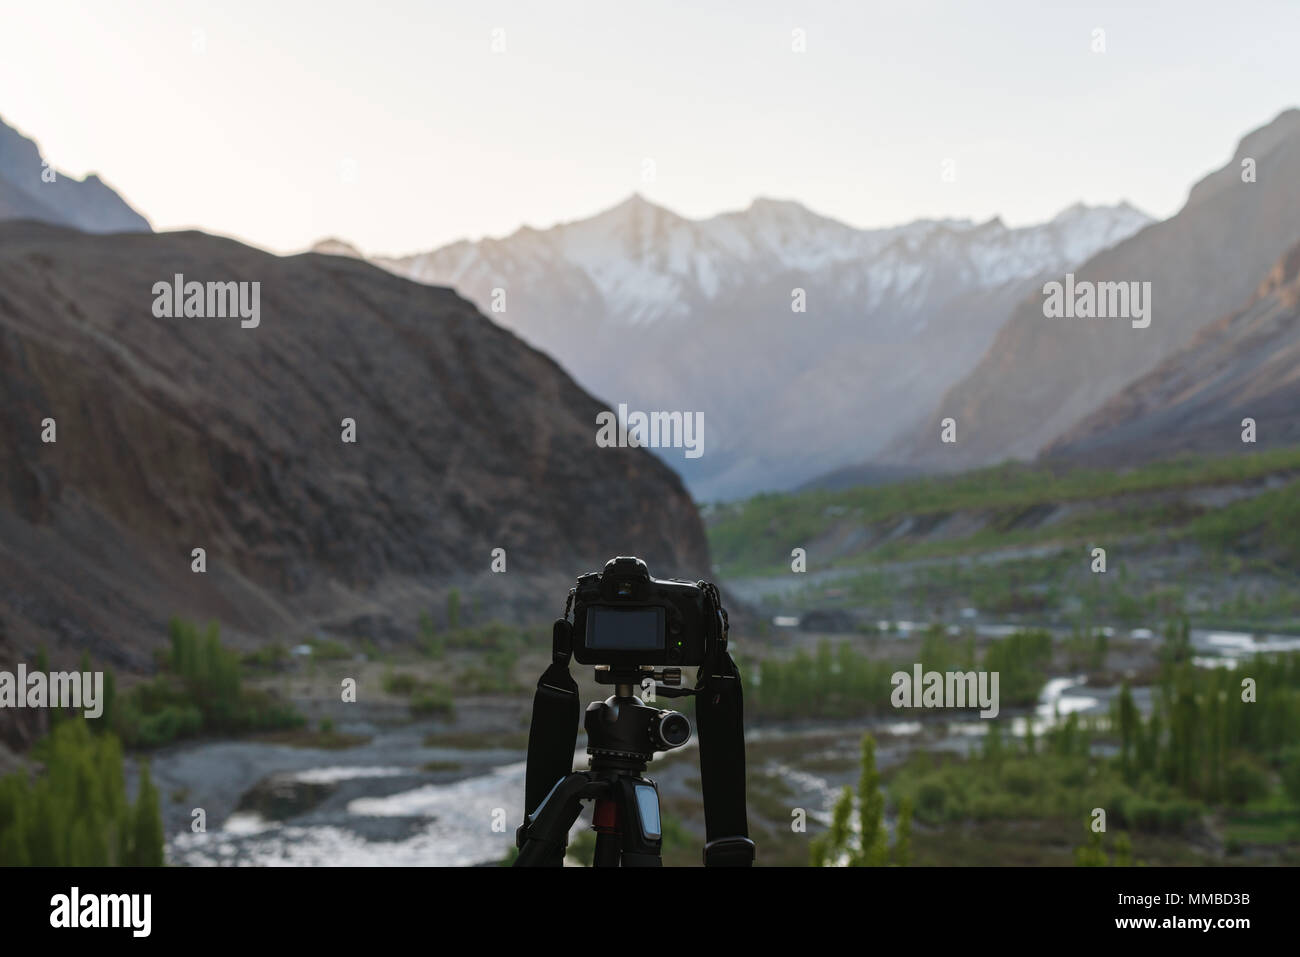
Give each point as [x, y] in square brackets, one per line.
[623, 728]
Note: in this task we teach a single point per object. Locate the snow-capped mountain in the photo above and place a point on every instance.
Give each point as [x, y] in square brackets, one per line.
[662, 312]
[646, 261]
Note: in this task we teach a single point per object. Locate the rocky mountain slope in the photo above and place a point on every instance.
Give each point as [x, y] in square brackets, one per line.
[1245, 365]
[178, 433]
[667, 313]
[30, 189]
[1041, 377]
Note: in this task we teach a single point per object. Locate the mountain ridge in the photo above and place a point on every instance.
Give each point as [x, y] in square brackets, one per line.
[31, 188]
[1245, 365]
[711, 305]
[177, 433]
[1039, 378]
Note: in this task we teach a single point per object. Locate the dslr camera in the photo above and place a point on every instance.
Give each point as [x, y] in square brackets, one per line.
[623, 617]
[635, 628]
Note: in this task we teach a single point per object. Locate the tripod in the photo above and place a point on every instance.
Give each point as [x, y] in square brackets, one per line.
[622, 735]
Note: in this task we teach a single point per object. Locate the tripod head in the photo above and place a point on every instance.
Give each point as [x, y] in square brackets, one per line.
[623, 732]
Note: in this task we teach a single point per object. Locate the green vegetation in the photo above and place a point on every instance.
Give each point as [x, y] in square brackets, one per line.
[1059, 586]
[477, 740]
[1267, 522]
[1212, 745]
[498, 647]
[426, 697]
[870, 847]
[453, 609]
[1021, 662]
[328, 649]
[1093, 853]
[1007, 782]
[272, 657]
[432, 700]
[76, 812]
[845, 683]
[756, 536]
[493, 636]
[431, 643]
[400, 683]
[199, 692]
[433, 766]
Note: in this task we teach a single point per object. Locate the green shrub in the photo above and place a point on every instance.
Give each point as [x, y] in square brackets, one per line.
[200, 692]
[75, 812]
[435, 700]
[1244, 781]
[400, 683]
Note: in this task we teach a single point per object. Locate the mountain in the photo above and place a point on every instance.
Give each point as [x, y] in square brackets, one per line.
[336, 247]
[1041, 377]
[665, 313]
[173, 434]
[90, 205]
[1245, 365]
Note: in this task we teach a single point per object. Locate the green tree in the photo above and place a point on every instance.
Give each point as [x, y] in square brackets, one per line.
[1123, 850]
[1291, 773]
[874, 842]
[1091, 854]
[147, 841]
[828, 848]
[453, 609]
[871, 847]
[75, 811]
[1127, 718]
[903, 834]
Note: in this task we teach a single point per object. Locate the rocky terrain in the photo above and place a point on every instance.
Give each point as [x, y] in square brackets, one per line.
[1246, 365]
[1041, 377]
[181, 433]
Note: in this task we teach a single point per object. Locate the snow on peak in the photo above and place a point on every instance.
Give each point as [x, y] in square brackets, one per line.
[647, 262]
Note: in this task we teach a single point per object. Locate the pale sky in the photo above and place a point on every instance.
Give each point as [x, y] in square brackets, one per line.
[395, 126]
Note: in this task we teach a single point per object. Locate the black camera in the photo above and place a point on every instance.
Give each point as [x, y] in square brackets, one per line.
[634, 628]
[622, 616]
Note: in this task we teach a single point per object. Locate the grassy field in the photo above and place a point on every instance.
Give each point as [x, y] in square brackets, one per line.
[756, 536]
[1211, 539]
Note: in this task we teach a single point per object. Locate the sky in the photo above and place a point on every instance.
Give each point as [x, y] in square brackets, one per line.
[400, 126]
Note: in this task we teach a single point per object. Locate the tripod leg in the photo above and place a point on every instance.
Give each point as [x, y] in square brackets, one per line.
[543, 837]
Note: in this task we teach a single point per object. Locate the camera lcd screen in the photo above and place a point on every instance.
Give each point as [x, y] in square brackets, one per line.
[625, 629]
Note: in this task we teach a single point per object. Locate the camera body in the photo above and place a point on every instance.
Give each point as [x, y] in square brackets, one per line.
[623, 617]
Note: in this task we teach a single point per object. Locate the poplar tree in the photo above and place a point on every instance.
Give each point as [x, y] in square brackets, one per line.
[829, 847]
[871, 808]
[903, 834]
[1129, 730]
[147, 846]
